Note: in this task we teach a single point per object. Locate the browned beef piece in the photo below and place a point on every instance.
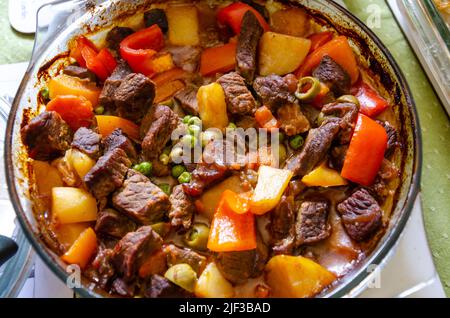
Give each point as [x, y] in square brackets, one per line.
[161, 287]
[185, 57]
[117, 139]
[88, 141]
[159, 169]
[102, 269]
[393, 138]
[156, 16]
[237, 267]
[117, 35]
[178, 255]
[182, 208]
[123, 288]
[361, 215]
[282, 226]
[247, 46]
[333, 75]
[80, 72]
[187, 98]
[134, 96]
[292, 120]
[349, 113]
[112, 223]
[315, 149]
[312, 222]
[239, 99]
[112, 83]
[163, 121]
[273, 91]
[379, 189]
[46, 136]
[203, 176]
[130, 252]
[258, 7]
[108, 173]
[140, 199]
[228, 153]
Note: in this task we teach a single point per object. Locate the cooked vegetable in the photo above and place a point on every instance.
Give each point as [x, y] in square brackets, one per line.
[231, 231]
[81, 162]
[169, 76]
[271, 184]
[282, 153]
[161, 228]
[182, 275]
[144, 167]
[73, 205]
[371, 104]
[47, 177]
[210, 135]
[322, 97]
[139, 49]
[291, 21]
[211, 284]
[82, 249]
[296, 142]
[164, 159]
[212, 107]
[308, 88]
[75, 110]
[233, 14]
[99, 110]
[281, 54]
[67, 234]
[194, 130]
[319, 39]
[165, 187]
[183, 25]
[156, 16]
[45, 93]
[218, 59]
[323, 176]
[77, 47]
[189, 141]
[162, 63]
[107, 124]
[167, 90]
[197, 237]
[194, 120]
[348, 99]
[296, 276]
[362, 162]
[339, 50]
[68, 85]
[266, 119]
[185, 177]
[177, 170]
[238, 203]
[176, 154]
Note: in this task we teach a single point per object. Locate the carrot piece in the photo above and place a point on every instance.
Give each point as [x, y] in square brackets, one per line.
[167, 90]
[339, 50]
[265, 118]
[238, 203]
[169, 76]
[75, 110]
[319, 39]
[106, 124]
[218, 59]
[82, 249]
[68, 85]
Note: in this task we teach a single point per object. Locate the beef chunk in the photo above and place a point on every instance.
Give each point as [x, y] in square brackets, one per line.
[247, 46]
[112, 83]
[178, 255]
[102, 269]
[161, 287]
[112, 223]
[258, 7]
[117, 35]
[226, 153]
[80, 72]
[130, 252]
[282, 226]
[237, 267]
[273, 91]
[315, 149]
[361, 215]
[182, 208]
[348, 112]
[292, 120]
[140, 199]
[312, 222]
[185, 57]
[117, 139]
[156, 16]
[333, 75]
[88, 141]
[108, 173]
[46, 136]
[187, 98]
[203, 176]
[239, 99]
[123, 288]
[387, 172]
[393, 138]
[163, 121]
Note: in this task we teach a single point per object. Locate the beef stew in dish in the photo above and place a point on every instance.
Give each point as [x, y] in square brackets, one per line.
[217, 150]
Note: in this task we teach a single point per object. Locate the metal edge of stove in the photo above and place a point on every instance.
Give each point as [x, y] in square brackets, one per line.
[427, 43]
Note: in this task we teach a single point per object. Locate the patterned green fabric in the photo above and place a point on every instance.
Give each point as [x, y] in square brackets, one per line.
[434, 121]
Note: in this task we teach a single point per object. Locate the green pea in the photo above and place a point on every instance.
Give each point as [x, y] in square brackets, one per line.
[182, 275]
[99, 110]
[186, 119]
[185, 177]
[165, 187]
[45, 93]
[144, 167]
[178, 170]
[194, 130]
[281, 137]
[231, 126]
[197, 237]
[194, 120]
[296, 142]
[164, 159]
[161, 228]
[189, 141]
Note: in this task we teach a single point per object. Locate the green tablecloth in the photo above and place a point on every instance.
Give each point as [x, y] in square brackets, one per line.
[434, 122]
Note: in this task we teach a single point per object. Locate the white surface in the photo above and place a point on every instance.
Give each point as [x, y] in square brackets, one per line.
[22, 14]
[409, 273]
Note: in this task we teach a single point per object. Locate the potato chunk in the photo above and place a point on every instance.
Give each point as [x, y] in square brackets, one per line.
[73, 205]
[281, 54]
[211, 284]
[212, 107]
[81, 162]
[183, 24]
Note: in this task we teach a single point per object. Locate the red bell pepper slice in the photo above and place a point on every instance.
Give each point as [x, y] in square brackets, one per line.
[218, 59]
[75, 110]
[366, 151]
[107, 59]
[371, 104]
[233, 14]
[319, 39]
[80, 43]
[94, 64]
[139, 48]
[231, 231]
